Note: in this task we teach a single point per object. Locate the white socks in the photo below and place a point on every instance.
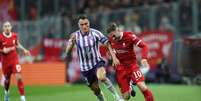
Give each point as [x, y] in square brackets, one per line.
[101, 97]
[111, 88]
[23, 98]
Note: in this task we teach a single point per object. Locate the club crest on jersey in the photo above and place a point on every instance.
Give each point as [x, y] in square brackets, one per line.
[124, 45]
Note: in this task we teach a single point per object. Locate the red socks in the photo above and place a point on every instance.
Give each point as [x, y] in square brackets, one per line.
[20, 86]
[148, 95]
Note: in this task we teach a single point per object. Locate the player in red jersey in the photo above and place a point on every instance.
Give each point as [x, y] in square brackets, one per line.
[123, 45]
[8, 45]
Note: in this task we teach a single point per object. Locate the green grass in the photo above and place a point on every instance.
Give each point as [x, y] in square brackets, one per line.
[82, 93]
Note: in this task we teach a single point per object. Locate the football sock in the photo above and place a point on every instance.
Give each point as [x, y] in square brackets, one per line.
[23, 98]
[111, 88]
[20, 86]
[148, 95]
[101, 97]
[6, 92]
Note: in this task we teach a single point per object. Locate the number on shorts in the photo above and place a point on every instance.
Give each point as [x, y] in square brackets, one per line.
[18, 68]
[137, 74]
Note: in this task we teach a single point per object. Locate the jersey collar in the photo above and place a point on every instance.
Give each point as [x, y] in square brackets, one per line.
[7, 36]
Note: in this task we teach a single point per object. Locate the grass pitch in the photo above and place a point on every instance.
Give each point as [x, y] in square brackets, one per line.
[82, 93]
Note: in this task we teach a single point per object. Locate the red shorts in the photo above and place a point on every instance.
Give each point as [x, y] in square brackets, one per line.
[8, 69]
[125, 75]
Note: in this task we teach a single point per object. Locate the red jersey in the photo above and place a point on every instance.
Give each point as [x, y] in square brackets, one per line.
[124, 48]
[9, 42]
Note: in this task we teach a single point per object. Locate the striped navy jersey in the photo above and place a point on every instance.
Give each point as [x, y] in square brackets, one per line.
[88, 48]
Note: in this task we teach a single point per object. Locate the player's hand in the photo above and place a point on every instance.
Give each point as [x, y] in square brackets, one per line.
[144, 63]
[27, 52]
[145, 66]
[116, 62]
[7, 50]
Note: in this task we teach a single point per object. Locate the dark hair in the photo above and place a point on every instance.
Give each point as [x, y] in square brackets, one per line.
[112, 27]
[83, 16]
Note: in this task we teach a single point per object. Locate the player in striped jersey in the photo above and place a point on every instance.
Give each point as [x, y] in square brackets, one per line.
[92, 68]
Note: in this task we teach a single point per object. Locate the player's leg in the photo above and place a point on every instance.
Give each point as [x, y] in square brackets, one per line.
[132, 93]
[7, 71]
[101, 75]
[7, 85]
[123, 83]
[138, 78]
[92, 82]
[97, 91]
[2, 80]
[146, 91]
[20, 84]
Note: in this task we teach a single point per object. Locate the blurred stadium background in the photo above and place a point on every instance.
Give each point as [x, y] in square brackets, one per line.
[172, 28]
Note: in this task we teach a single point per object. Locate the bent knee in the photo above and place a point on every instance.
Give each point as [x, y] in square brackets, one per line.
[101, 76]
[126, 96]
[142, 86]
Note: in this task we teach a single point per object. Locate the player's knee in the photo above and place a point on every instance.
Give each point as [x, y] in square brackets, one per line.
[18, 77]
[102, 79]
[142, 86]
[101, 76]
[126, 96]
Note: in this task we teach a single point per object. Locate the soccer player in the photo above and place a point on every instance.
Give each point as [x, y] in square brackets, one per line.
[92, 68]
[128, 71]
[10, 64]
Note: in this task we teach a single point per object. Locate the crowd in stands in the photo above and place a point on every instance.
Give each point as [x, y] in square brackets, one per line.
[69, 9]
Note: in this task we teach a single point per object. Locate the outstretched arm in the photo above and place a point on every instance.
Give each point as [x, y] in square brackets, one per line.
[19, 45]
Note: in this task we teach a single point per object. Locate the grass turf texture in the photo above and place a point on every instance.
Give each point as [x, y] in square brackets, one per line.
[82, 93]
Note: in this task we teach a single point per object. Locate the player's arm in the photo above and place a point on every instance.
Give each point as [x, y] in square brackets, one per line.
[70, 44]
[104, 40]
[140, 43]
[113, 55]
[20, 46]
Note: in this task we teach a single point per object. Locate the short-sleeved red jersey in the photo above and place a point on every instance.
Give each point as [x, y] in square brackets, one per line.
[124, 48]
[9, 42]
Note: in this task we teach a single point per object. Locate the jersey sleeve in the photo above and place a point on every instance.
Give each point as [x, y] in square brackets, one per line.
[101, 38]
[1, 43]
[140, 43]
[16, 38]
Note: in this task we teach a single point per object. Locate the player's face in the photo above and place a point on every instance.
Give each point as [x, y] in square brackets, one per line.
[116, 33]
[7, 27]
[84, 25]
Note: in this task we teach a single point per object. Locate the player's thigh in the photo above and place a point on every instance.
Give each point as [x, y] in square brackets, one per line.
[101, 73]
[7, 71]
[123, 81]
[17, 71]
[90, 77]
[136, 75]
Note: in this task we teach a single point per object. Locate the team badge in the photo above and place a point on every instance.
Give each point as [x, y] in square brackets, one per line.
[13, 41]
[124, 44]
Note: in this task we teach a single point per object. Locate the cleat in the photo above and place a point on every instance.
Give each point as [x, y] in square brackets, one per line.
[6, 97]
[133, 93]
